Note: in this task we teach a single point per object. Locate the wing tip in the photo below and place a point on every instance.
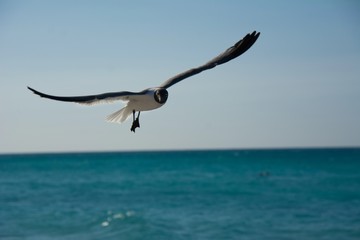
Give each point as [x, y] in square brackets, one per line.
[256, 34]
[34, 91]
[31, 89]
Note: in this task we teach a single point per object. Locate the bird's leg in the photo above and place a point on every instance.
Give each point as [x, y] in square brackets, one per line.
[136, 122]
[137, 119]
[133, 123]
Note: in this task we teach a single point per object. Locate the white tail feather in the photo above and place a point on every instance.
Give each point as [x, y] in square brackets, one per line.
[119, 116]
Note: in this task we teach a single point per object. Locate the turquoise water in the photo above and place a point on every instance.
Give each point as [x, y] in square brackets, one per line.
[234, 194]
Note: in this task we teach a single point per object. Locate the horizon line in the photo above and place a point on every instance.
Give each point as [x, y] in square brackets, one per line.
[184, 150]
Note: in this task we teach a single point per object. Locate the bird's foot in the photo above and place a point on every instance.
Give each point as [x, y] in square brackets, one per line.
[135, 124]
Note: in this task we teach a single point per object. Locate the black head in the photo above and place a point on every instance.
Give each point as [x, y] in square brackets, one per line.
[161, 95]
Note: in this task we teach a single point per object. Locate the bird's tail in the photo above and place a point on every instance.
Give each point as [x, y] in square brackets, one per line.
[119, 116]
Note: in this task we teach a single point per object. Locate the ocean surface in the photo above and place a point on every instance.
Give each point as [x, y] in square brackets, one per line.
[228, 194]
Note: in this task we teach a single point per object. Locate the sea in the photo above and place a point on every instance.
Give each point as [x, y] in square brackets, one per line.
[203, 194]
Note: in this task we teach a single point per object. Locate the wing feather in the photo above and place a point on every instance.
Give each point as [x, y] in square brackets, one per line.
[233, 52]
[90, 99]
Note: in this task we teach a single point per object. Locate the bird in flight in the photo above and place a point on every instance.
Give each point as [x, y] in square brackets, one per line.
[152, 98]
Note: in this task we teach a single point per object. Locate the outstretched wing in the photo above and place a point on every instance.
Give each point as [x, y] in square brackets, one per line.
[91, 99]
[233, 52]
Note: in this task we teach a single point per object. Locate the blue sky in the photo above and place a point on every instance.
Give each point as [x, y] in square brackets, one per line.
[298, 86]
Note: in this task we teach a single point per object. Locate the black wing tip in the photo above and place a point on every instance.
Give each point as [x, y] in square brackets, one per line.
[243, 45]
[34, 91]
[254, 34]
[251, 37]
[31, 89]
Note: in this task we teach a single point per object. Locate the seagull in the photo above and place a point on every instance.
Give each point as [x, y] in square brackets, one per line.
[153, 98]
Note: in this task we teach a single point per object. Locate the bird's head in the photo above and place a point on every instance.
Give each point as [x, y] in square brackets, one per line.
[161, 95]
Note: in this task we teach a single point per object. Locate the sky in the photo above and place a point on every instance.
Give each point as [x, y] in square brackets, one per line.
[298, 86]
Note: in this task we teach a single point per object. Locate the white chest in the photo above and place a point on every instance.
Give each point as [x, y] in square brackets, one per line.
[144, 102]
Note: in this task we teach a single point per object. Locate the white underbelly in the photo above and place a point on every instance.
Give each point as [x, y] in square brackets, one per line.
[143, 103]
